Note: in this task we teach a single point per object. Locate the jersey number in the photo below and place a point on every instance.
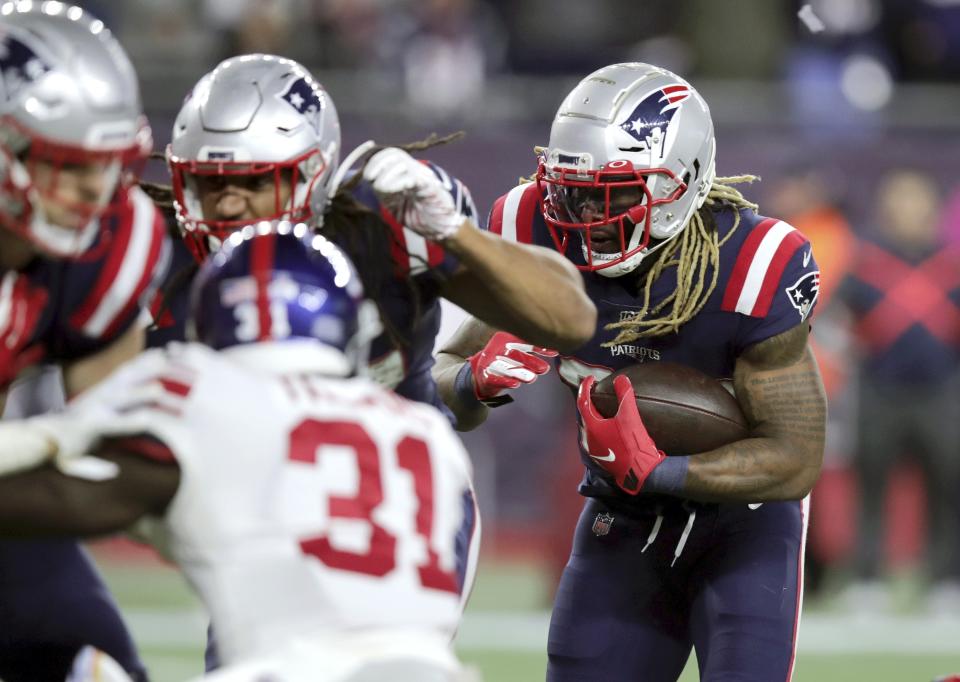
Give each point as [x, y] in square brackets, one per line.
[306, 441]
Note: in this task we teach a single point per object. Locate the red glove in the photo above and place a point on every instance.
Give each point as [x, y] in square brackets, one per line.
[505, 363]
[620, 444]
[20, 308]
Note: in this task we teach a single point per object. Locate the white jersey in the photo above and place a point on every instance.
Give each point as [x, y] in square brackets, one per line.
[306, 504]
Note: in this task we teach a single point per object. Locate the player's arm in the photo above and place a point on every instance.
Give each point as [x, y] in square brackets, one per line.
[779, 387]
[530, 291]
[44, 502]
[479, 364]
[527, 290]
[470, 338]
[81, 374]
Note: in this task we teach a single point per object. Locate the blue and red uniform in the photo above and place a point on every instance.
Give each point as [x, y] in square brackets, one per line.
[651, 576]
[52, 601]
[409, 298]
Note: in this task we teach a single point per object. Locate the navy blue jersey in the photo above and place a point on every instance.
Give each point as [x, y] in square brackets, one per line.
[409, 297]
[768, 283]
[92, 300]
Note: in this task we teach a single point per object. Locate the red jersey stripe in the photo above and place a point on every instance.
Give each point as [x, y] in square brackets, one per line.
[495, 224]
[261, 265]
[398, 244]
[146, 277]
[122, 230]
[789, 246]
[529, 204]
[742, 265]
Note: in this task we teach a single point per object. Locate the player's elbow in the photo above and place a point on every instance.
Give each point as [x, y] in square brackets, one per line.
[805, 477]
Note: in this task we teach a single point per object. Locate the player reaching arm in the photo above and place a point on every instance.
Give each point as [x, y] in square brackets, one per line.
[530, 290]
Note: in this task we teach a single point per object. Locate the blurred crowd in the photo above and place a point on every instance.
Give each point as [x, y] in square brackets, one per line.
[881, 206]
[443, 52]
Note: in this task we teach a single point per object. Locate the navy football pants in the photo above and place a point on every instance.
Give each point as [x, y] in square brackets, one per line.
[52, 602]
[626, 615]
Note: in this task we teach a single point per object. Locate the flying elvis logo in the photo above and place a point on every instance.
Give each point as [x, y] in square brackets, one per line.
[20, 66]
[656, 110]
[804, 292]
[304, 96]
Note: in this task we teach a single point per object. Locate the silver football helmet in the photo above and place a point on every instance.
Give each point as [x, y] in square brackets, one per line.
[69, 108]
[254, 115]
[631, 157]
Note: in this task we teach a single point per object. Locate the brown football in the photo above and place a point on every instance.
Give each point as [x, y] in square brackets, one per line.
[685, 411]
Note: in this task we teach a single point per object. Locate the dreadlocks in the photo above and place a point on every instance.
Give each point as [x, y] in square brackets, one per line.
[368, 240]
[694, 253]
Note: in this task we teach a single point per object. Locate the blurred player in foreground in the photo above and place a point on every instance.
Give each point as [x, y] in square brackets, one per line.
[668, 553]
[259, 138]
[79, 248]
[328, 525]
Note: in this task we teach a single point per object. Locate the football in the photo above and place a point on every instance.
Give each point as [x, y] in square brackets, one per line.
[685, 411]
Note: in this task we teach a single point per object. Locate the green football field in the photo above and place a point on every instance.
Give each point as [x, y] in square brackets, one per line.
[504, 631]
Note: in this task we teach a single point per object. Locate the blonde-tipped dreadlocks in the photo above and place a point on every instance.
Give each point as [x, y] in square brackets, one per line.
[693, 252]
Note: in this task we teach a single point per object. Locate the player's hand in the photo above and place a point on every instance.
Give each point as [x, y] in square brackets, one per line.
[620, 444]
[23, 447]
[413, 193]
[506, 362]
[21, 306]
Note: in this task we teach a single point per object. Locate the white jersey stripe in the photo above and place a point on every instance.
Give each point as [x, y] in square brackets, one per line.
[511, 207]
[124, 286]
[6, 300]
[759, 266]
[417, 250]
[805, 517]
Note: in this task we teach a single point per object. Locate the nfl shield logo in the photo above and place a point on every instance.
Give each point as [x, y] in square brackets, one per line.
[601, 524]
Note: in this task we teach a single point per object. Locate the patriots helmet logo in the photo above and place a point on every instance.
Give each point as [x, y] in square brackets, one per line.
[656, 110]
[804, 292]
[20, 66]
[304, 96]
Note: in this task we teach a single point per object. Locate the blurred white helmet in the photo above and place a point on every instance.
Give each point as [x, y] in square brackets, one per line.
[69, 104]
[254, 115]
[627, 131]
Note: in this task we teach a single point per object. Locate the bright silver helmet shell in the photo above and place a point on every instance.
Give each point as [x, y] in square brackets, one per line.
[68, 97]
[254, 115]
[626, 130]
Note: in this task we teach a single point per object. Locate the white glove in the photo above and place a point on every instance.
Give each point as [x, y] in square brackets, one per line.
[23, 446]
[412, 192]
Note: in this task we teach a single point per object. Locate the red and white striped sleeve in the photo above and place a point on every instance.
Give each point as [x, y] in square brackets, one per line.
[132, 266]
[775, 281]
[412, 254]
[759, 267]
[512, 214]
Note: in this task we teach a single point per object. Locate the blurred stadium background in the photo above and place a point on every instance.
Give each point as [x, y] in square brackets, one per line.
[823, 99]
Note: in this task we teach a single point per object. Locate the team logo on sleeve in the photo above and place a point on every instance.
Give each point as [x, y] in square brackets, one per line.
[804, 292]
[656, 110]
[304, 96]
[20, 66]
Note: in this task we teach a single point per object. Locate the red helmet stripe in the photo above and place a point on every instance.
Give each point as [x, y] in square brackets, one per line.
[261, 265]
